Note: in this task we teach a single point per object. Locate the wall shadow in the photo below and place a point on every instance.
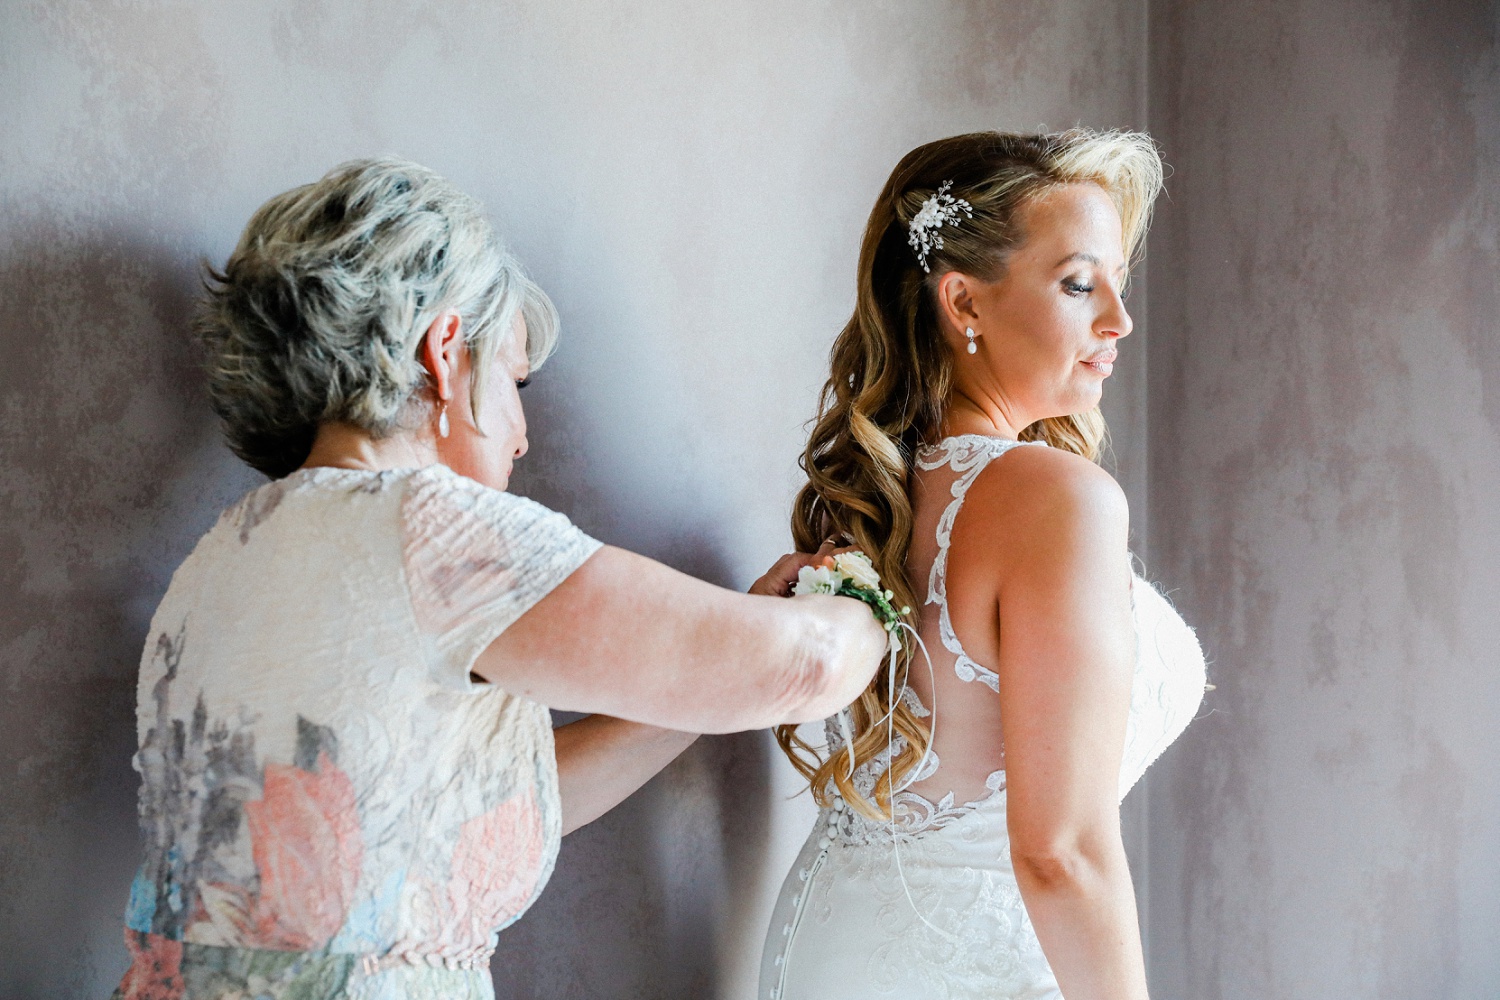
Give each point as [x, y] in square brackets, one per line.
[109, 471]
[639, 906]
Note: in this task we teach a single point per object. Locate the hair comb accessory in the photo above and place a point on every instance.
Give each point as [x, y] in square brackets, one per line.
[939, 210]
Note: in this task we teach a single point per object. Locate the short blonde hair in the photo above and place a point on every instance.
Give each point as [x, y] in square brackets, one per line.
[319, 312]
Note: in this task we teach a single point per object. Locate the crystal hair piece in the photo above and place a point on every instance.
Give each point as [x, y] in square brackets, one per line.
[939, 210]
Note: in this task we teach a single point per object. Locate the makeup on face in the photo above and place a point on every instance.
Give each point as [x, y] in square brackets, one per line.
[1056, 317]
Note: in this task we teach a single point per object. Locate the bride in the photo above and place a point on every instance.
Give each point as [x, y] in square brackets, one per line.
[971, 847]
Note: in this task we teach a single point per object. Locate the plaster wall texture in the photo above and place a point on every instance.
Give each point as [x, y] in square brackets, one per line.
[1325, 463]
[689, 181]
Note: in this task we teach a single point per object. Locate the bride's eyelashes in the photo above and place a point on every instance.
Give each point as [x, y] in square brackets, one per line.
[1074, 286]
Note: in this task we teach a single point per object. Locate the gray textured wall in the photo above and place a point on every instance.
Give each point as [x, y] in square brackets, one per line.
[689, 180]
[1325, 490]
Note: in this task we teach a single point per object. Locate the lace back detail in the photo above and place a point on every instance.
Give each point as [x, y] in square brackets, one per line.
[924, 902]
[968, 455]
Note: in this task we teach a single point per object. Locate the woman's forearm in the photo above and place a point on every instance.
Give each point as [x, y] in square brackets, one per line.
[602, 760]
[631, 638]
[1082, 905]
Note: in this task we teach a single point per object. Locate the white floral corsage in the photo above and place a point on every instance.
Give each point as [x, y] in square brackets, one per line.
[851, 574]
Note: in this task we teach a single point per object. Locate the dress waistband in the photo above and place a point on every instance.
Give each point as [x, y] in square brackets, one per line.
[167, 967]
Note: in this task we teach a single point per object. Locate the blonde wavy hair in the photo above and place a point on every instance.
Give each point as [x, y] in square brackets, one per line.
[892, 374]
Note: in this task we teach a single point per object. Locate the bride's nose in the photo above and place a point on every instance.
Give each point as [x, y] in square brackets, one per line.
[1115, 321]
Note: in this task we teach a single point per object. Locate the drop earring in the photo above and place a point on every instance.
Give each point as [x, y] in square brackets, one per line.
[443, 421]
[969, 332]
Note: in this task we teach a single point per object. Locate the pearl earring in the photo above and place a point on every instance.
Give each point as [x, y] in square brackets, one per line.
[969, 332]
[443, 422]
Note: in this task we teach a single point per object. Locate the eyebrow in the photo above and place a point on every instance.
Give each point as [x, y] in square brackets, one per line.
[1087, 258]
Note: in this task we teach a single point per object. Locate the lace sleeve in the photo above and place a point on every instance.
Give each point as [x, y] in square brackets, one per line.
[476, 559]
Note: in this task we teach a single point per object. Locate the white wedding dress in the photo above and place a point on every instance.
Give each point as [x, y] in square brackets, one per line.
[928, 906]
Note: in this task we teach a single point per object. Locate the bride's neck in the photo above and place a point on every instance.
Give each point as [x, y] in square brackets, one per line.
[965, 415]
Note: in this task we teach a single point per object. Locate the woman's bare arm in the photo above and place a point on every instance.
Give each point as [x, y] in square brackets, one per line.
[1066, 658]
[601, 761]
[631, 638]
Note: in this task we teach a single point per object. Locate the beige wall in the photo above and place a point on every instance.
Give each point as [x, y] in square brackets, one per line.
[1325, 494]
[689, 180]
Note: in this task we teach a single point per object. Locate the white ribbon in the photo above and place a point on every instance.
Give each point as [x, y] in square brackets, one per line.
[848, 734]
[846, 731]
[890, 747]
[894, 651]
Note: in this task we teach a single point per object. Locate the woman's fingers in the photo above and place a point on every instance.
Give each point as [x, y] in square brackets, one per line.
[778, 580]
[831, 548]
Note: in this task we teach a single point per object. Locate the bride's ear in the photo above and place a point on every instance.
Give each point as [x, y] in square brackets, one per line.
[956, 307]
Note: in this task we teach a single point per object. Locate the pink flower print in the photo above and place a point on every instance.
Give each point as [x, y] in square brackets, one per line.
[155, 971]
[304, 835]
[495, 869]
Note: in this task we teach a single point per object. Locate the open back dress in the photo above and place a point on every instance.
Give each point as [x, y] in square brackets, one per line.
[926, 905]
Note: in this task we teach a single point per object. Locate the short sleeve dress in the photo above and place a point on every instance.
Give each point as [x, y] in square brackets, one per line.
[330, 806]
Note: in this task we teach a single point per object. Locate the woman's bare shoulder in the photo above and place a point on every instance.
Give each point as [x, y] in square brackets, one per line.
[1034, 477]
[1046, 495]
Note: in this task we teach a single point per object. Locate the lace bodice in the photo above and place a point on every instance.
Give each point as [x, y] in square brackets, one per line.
[968, 455]
[927, 905]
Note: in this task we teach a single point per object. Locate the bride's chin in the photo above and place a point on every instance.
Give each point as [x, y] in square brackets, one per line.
[1089, 395]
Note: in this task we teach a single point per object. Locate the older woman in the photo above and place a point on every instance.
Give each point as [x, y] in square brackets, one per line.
[969, 845]
[349, 777]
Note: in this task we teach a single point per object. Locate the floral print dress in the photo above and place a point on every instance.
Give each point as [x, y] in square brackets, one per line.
[331, 807]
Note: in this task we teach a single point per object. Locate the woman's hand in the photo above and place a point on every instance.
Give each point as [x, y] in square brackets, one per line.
[778, 580]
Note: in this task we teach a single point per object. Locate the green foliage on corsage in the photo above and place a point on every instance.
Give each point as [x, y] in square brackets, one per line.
[851, 574]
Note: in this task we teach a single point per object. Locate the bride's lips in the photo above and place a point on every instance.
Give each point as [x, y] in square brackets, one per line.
[1103, 362]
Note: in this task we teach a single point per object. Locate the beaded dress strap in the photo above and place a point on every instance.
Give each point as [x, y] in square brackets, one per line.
[968, 455]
